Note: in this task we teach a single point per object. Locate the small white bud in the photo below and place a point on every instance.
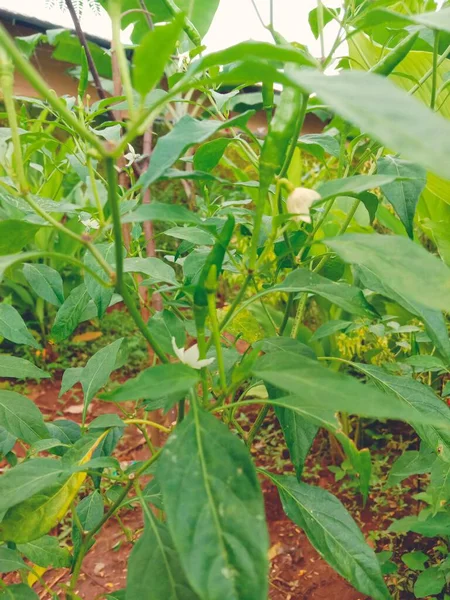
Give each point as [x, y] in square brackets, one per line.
[299, 202]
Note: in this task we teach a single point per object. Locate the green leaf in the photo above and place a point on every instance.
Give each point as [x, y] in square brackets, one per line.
[299, 434]
[84, 75]
[421, 399]
[155, 383]
[352, 185]
[11, 259]
[319, 144]
[15, 234]
[18, 591]
[333, 533]
[415, 560]
[69, 313]
[412, 462]
[19, 368]
[68, 49]
[186, 132]
[46, 552]
[403, 195]
[100, 294]
[156, 211]
[97, 371]
[21, 417]
[328, 15]
[45, 281]
[209, 154]
[433, 320]
[436, 525]
[222, 512]
[70, 377]
[151, 56]
[165, 325]
[424, 362]
[13, 328]
[316, 388]
[344, 295]
[155, 268]
[90, 510]
[378, 107]
[253, 49]
[65, 431]
[400, 263]
[191, 234]
[26, 479]
[199, 12]
[154, 569]
[284, 344]
[10, 560]
[329, 328]
[429, 583]
[7, 441]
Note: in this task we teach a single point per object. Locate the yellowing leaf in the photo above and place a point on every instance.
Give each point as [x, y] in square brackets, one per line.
[244, 325]
[36, 516]
[89, 336]
[35, 574]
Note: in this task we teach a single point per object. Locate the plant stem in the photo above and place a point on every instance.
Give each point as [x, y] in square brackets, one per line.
[87, 540]
[121, 286]
[33, 77]
[257, 424]
[95, 191]
[320, 24]
[435, 67]
[216, 336]
[116, 17]
[149, 423]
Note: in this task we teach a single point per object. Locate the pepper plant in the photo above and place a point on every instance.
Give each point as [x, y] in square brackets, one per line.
[205, 533]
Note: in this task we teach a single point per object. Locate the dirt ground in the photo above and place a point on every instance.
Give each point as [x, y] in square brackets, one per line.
[297, 572]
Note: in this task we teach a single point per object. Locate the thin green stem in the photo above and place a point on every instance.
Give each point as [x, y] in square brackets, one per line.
[87, 540]
[33, 77]
[113, 199]
[320, 25]
[257, 424]
[98, 203]
[435, 68]
[202, 350]
[115, 12]
[27, 256]
[216, 337]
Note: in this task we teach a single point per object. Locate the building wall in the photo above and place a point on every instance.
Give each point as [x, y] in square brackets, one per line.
[52, 71]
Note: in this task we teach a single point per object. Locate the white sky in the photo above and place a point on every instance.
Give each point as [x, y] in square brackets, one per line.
[235, 21]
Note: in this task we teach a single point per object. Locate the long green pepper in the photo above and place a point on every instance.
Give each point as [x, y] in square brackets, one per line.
[282, 135]
[387, 64]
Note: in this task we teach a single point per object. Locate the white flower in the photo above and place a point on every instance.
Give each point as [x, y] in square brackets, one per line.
[299, 202]
[131, 156]
[191, 356]
[90, 223]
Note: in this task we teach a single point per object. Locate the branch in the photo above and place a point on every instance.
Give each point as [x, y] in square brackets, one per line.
[83, 42]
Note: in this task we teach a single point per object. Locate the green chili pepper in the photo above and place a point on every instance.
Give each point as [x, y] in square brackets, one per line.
[213, 263]
[395, 57]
